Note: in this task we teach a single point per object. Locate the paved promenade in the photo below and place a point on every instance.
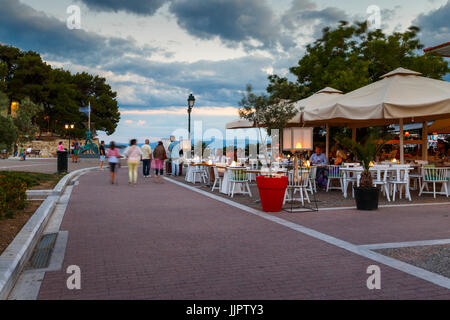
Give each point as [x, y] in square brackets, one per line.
[163, 241]
[44, 165]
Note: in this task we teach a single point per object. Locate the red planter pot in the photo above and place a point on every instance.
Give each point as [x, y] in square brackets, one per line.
[271, 191]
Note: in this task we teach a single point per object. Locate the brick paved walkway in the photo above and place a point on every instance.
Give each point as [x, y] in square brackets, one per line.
[154, 241]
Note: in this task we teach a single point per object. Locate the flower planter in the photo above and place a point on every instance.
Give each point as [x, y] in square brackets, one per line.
[271, 192]
[366, 199]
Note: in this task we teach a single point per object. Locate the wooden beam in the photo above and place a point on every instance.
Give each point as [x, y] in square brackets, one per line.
[327, 142]
[425, 140]
[402, 151]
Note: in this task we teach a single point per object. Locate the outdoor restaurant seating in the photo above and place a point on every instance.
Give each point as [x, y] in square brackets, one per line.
[217, 179]
[434, 176]
[380, 178]
[334, 173]
[400, 180]
[298, 182]
[238, 176]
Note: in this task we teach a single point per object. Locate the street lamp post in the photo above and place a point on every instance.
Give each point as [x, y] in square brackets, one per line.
[191, 101]
[69, 127]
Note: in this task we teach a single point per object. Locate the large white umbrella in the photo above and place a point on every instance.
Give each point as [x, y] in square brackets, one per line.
[402, 96]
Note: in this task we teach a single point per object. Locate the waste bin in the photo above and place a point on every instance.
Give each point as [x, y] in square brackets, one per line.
[62, 161]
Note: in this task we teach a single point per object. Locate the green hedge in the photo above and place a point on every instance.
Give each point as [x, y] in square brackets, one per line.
[13, 195]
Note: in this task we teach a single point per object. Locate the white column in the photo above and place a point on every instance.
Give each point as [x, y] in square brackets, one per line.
[327, 142]
[402, 152]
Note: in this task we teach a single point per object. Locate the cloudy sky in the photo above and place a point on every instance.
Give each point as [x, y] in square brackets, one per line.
[155, 52]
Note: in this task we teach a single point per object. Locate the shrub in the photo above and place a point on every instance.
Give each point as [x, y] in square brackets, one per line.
[13, 195]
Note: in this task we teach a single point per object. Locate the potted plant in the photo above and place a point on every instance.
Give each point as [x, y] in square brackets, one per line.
[271, 114]
[366, 195]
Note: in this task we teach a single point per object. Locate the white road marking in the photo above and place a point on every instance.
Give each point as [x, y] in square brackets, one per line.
[389, 245]
[366, 253]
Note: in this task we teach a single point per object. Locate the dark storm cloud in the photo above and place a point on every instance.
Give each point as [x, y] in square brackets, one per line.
[435, 26]
[28, 29]
[231, 20]
[140, 7]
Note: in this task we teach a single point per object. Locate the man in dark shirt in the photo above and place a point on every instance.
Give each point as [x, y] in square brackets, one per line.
[102, 154]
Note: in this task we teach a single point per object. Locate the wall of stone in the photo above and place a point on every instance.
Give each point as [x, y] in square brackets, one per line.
[49, 148]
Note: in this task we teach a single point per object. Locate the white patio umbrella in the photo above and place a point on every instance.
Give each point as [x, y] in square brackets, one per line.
[402, 96]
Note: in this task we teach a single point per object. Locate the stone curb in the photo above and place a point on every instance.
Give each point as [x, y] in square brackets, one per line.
[19, 250]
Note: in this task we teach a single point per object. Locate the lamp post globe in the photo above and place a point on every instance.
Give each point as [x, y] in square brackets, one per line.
[191, 102]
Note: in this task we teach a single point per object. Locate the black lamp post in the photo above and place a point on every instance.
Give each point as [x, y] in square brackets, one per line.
[191, 101]
[69, 127]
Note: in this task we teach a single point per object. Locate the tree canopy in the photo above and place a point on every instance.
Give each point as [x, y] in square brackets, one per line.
[351, 56]
[24, 75]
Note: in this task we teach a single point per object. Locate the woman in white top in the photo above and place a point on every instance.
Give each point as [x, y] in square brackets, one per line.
[133, 154]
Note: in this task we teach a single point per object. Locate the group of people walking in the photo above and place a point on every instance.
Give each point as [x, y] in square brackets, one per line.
[134, 154]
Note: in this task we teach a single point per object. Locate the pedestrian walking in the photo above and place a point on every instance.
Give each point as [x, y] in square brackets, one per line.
[22, 154]
[146, 158]
[76, 151]
[102, 154]
[174, 149]
[133, 155]
[113, 159]
[159, 155]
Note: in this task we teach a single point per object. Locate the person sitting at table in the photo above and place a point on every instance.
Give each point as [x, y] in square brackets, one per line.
[318, 157]
[340, 157]
[219, 157]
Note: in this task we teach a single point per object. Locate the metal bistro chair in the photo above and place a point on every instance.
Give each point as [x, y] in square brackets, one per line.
[238, 176]
[435, 175]
[399, 180]
[335, 173]
[299, 183]
[218, 179]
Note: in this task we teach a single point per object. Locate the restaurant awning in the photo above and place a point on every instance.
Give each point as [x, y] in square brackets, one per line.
[442, 49]
[440, 126]
[401, 94]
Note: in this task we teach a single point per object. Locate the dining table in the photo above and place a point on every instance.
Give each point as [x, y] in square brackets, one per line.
[349, 172]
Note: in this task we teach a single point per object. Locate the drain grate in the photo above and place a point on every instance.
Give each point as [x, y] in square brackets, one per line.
[43, 251]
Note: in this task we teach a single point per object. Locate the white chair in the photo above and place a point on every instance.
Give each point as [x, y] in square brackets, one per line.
[238, 176]
[253, 163]
[335, 173]
[200, 172]
[400, 179]
[416, 177]
[350, 177]
[298, 183]
[435, 175]
[380, 176]
[312, 185]
[217, 179]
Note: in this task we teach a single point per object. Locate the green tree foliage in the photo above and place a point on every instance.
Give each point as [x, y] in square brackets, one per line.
[8, 132]
[23, 120]
[350, 56]
[24, 74]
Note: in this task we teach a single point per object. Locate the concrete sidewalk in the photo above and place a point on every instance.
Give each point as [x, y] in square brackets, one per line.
[163, 241]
